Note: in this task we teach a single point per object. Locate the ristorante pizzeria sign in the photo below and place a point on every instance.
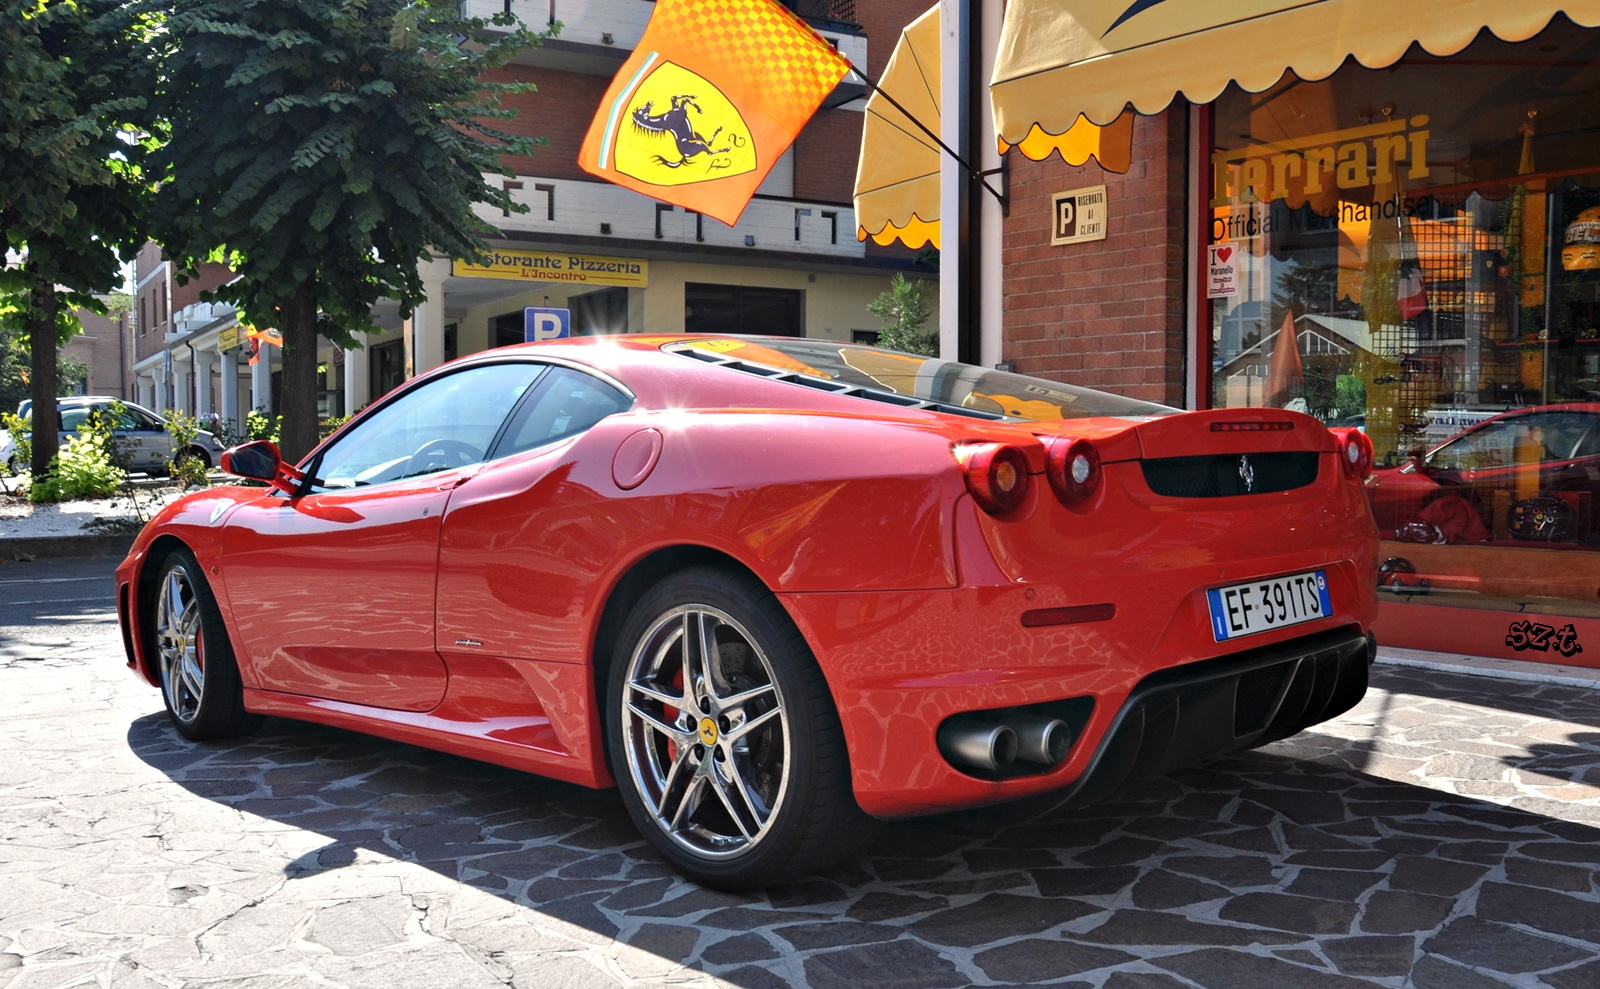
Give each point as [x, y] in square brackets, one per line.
[540, 267]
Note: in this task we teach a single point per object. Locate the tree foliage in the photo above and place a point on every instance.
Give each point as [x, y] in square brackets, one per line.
[904, 308]
[15, 373]
[74, 128]
[322, 148]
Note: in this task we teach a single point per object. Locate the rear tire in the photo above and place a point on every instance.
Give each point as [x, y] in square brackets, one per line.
[730, 758]
[194, 658]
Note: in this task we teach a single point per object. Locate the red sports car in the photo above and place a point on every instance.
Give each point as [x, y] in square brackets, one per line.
[772, 588]
[1526, 476]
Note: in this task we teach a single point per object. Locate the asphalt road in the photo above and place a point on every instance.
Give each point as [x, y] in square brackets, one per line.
[1444, 835]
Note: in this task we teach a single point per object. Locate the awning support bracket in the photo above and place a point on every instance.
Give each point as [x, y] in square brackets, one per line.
[1004, 195]
[1000, 197]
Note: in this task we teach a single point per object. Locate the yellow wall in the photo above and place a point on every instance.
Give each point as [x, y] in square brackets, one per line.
[835, 303]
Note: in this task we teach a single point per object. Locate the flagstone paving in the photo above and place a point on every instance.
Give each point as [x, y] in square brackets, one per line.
[1443, 835]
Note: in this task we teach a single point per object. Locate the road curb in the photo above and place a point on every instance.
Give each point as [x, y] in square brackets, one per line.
[1484, 666]
[40, 547]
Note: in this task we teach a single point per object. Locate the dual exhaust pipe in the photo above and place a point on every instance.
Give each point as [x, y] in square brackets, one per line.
[993, 745]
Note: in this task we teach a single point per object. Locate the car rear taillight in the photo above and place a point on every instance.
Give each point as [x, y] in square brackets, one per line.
[997, 475]
[1074, 470]
[1355, 451]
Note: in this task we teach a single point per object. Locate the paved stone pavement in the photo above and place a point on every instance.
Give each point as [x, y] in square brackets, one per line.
[1443, 835]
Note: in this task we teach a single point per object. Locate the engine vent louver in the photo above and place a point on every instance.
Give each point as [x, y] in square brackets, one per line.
[831, 385]
[1224, 475]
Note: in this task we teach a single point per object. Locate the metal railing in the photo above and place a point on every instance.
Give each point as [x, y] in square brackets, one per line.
[837, 11]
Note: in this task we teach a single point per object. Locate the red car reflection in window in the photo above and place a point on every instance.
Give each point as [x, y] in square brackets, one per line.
[1523, 478]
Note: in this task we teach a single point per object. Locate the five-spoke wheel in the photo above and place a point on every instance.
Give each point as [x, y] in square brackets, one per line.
[188, 642]
[180, 644]
[705, 731]
[723, 736]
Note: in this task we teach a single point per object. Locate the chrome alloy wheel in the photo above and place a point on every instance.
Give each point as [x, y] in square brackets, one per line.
[179, 642]
[705, 731]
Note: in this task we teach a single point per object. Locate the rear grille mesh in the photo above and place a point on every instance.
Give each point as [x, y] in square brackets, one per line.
[1226, 474]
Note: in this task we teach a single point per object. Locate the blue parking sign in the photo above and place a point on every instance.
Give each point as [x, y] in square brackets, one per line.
[546, 324]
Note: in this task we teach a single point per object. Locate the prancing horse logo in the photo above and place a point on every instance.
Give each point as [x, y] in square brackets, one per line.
[676, 122]
[678, 128]
[1247, 473]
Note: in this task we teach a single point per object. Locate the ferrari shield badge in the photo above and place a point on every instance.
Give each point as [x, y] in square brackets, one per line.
[682, 129]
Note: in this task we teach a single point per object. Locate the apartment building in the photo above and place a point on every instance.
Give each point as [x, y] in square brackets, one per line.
[620, 262]
[104, 347]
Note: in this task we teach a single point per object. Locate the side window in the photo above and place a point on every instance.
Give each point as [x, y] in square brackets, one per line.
[1527, 439]
[1494, 445]
[1561, 433]
[567, 403]
[141, 420]
[447, 423]
[71, 419]
[1589, 446]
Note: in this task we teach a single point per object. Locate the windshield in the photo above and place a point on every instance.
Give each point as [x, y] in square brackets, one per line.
[930, 379]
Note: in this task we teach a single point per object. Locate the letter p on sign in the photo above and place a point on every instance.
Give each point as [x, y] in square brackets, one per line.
[546, 324]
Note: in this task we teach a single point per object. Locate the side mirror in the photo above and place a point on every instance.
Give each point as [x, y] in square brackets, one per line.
[261, 461]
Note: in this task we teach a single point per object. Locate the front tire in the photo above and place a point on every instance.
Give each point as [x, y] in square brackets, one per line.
[199, 677]
[723, 735]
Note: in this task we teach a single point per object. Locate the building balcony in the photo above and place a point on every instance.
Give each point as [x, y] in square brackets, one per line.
[595, 32]
[594, 212]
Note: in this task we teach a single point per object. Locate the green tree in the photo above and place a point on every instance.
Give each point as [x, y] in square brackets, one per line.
[904, 308]
[322, 148]
[14, 352]
[73, 131]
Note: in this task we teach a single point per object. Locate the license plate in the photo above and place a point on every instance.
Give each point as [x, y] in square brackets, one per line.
[1245, 609]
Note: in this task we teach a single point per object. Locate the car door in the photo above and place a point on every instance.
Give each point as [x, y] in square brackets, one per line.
[332, 590]
[520, 547]
[143, 439]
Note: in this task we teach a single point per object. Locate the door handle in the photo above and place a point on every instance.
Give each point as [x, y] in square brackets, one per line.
[456, 482]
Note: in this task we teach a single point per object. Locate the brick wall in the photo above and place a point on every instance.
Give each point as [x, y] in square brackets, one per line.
[102, 347]
[559, 112]
[883, 20]
[1108, 314]
[212, 275]
[825, 156]
[152, 301]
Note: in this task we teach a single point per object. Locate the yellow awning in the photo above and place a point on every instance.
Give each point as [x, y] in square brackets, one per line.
[897, 178]
[1111, 145]
[1062, 58]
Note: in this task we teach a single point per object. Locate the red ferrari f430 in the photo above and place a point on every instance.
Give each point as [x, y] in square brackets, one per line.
[772, 588]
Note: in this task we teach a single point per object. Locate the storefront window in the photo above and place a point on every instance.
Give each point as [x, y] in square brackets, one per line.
[1414, 251]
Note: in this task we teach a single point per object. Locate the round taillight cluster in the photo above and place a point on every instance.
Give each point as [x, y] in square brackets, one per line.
[997, 476]
[1355, 451]
[1074, 470]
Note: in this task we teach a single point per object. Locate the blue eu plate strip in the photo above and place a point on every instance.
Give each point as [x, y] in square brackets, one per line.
[1219, 624]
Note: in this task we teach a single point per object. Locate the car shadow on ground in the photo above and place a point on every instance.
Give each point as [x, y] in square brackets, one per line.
[1289, 866]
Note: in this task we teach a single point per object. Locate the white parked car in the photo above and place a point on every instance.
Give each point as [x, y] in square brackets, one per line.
[141, 434]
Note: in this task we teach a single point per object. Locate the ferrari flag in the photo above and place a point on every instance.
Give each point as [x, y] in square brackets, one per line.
[714, 93]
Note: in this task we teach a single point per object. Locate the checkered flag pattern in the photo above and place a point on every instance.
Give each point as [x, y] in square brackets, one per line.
[760, 40]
